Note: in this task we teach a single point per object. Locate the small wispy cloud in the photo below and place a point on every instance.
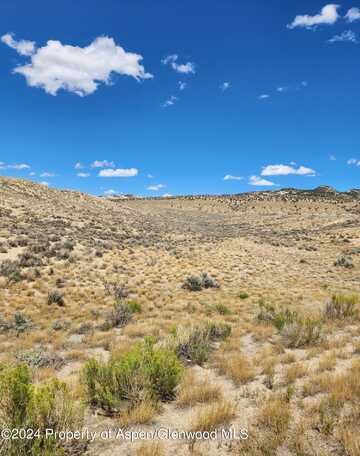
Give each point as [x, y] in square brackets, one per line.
[22, 47]
[172, 61]
[155, 188]
[347, 35]
[102, 164]
[47, 174]
[353, 15]
[328, 15]
[264, 96]
[231, 177]
[332, 157]
[119, 172]
[353, 161]
[170, 101]
[83, 174]
[182, 85]
[259, 182]
[225, 86]
[78, 165]
[18, 166]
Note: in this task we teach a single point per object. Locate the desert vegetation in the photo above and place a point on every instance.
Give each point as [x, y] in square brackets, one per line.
[196, 314]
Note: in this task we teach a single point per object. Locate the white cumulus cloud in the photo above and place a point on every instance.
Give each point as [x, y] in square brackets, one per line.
[23, 47]
[78, 69]
[258, 181]
[17, 166]
[285, 170]
[328, 15]
[184, 68]
[119, 172]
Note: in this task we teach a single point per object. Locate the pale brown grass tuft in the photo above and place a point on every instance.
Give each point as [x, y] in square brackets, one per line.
[192, 391]
[211, 417]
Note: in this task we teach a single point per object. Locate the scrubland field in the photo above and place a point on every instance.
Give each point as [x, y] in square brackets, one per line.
[190, 314]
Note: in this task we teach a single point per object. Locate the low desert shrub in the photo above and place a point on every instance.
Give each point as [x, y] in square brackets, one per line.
[11, 270]
[196, 283]
[295, 329]
[24, 405]
[194, 343]
[121, 314]
[302, 332]
[55, 297]
[342, 307]
[344, 261]
[145, 369]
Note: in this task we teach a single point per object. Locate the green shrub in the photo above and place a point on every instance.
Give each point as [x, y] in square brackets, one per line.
[222, 309]
[24, 405]
[279, 317]
[144, 370]
[134, 306]
[243, 295]
[341, 307]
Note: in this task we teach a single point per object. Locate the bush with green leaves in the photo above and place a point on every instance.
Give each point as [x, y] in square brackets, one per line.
[24, 405]
[145, 369]
[194, 343]
[342, 307]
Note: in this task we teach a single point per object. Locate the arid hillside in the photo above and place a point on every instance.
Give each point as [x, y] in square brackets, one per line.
[202, 313]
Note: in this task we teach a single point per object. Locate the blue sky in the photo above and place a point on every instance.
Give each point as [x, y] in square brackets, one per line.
[172, 97]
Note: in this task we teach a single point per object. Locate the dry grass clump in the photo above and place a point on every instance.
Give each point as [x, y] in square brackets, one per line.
[211, 417]
[315, 385]
[150, 449]
[294, 372]
[192, 391]
[141, 412]
[270, 430]
[327, 362]
[236, 366]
